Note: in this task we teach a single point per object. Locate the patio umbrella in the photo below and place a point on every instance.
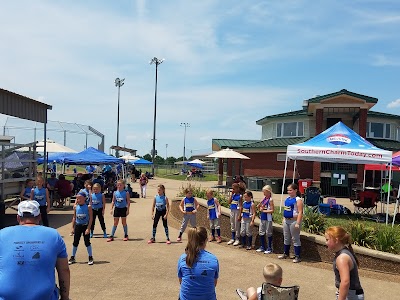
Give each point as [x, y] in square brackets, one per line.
[128, 158]
[228, 153]
[197, 161]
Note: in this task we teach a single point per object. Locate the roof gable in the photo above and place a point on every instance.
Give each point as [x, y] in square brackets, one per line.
[367, 99]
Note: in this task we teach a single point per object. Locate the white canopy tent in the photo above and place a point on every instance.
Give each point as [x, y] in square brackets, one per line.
[339, 144]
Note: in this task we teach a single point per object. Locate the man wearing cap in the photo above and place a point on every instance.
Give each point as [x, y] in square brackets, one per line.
[32, 251]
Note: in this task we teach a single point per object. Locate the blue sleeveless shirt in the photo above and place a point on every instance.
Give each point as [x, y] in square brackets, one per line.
[82, 214]
[40, 196]
[27, 192]
[235, 201]
[161, 202]
[188, 204]
[263, 215]
[246, 210]
[97, 200]
[212, 209]
[120, 199]
[288, 211]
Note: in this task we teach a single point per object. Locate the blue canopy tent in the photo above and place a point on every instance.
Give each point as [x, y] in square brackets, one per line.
[57, 157]
[91, 156]
[141, 161]
[199, 166]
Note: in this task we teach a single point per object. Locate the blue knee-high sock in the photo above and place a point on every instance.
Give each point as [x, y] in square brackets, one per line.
[213, 232]
[154, 232]
[180, 234]
[219, 232]
[233, 235]
[243, 240]
[89, 250]
[126, 230]
[166, 232]
[74, 249]
[297, 250]
[250, 240]
[286, 249]
[270, 242]
[113, 230]
[262, 240]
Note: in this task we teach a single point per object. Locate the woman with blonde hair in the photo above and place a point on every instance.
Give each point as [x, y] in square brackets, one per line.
[198, 269]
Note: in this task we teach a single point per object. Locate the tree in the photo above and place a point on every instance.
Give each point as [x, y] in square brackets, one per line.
[170, 160]
[147, 157]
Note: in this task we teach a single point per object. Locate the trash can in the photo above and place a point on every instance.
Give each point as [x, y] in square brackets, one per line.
[303, 184]
[275, 187]
[260, 183]
[252, 183]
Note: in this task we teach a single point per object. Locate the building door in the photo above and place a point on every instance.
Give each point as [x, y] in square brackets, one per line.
[332, 121]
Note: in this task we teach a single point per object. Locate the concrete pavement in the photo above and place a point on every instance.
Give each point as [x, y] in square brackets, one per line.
[136, 270]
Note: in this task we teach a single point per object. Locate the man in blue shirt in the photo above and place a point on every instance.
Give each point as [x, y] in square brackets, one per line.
[32, 251]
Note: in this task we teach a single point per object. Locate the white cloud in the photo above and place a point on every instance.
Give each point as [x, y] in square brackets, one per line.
[394, 104]
[382, 60]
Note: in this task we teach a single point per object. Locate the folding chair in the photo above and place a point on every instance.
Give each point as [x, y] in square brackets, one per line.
[273, 292]
[313, 198]
[356, 188]
[366, 204]
[12, 202]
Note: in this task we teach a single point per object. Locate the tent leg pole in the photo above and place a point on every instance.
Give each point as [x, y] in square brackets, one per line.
[388, 196]
[396, 207]
[283, 185]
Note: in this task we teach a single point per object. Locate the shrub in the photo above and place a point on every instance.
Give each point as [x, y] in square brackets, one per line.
[200, 192]
[387, 239]
[313, 221]
[362, 234]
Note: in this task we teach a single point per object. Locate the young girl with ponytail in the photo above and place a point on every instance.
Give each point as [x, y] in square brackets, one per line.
[345, 264]
[198, 269]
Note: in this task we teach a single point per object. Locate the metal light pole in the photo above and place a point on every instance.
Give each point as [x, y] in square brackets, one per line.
[157, 62]
[184, 140]
[166, 151]
[118, 83]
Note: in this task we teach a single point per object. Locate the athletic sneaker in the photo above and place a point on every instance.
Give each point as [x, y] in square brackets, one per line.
[125, 238]
[105, 235]
[71, 260]
[231, 242]
[219, 240]
[71, 234]
[236, 243]
[168, 242]
[283, 256]
[268, 251]
[211, 238]
[179, 239]
[151, 241]
[297, 259]
[90, 261]
[248, 248]
[242, 294]
[261, 249]
[110, 239]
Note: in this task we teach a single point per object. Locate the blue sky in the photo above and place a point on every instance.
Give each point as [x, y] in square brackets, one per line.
[227, 63]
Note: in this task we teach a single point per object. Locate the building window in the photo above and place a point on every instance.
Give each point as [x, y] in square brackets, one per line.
[291, 129]
[378, 130]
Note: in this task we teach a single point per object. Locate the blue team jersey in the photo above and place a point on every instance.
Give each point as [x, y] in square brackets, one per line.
[266, 216]
[27, 192]
[30, 251]
[120, 199]
[161, 202]
[82, 214]
[198, 282]
[246, 209]
[188, 204]
[97, 200]
[235, 201]
[212, 209]
[40, 196]
[289, 207]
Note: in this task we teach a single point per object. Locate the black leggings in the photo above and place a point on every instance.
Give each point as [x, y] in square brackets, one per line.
[160, 214]
[43, 214]
[80, 230]
[99, 214]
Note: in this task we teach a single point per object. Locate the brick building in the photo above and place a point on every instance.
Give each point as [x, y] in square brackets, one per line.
[267, 155]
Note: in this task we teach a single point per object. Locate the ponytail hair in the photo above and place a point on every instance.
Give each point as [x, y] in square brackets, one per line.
[343, 237]
[197, 238]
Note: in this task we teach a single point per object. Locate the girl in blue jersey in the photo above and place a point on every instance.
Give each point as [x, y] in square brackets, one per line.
[292, 218]
[87, 190]
[26, 192]
[345, 264]
[98, 206]
[188, 207]
[246, 216]
[214, 212]
[120, 205]
[41, 195]
[266, 208]
[235, 202]
[198, 269]
[83, 217]
[161, 205]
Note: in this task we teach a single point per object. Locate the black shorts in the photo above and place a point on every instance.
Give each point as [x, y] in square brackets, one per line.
[120, 212]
